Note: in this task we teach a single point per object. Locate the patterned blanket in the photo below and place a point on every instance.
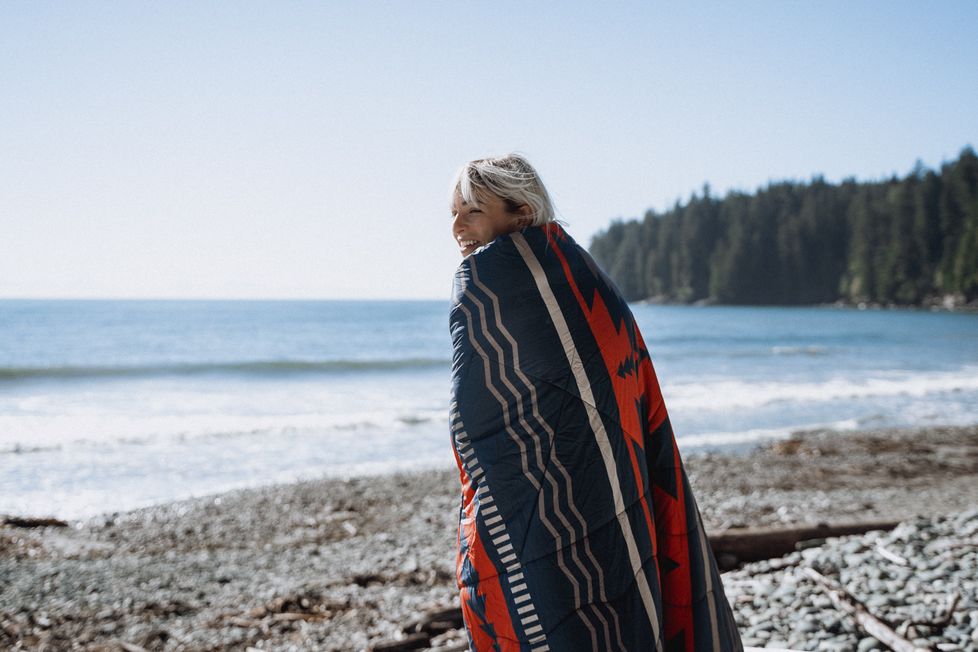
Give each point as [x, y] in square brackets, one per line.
[577, 529]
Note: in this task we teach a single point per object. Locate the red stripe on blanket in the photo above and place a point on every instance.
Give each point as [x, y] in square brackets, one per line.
[627, 389]
[489, 590]
[670, 512]
[677, 589]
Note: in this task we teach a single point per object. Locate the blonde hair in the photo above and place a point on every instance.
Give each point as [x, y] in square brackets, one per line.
[512, 179]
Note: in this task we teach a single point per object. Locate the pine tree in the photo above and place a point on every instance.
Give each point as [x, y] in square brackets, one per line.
[892, 241]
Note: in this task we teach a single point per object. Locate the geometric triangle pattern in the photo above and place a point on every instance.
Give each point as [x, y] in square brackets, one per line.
[578, 529]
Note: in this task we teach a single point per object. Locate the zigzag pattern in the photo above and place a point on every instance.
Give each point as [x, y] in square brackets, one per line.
[565, 421]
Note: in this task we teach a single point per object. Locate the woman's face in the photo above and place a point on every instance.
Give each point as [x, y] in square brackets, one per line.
[474, 226]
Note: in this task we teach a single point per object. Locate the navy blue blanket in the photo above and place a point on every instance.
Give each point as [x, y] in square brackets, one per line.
[577, 529]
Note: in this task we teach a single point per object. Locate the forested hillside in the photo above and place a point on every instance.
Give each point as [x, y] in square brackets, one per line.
[900, 241]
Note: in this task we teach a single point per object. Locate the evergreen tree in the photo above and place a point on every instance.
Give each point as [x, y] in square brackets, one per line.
[627, 269]
[898, 241]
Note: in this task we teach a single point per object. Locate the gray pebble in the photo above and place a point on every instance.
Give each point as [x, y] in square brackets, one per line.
[867, 644]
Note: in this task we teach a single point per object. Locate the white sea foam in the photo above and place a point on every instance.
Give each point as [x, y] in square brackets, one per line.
[22, 434]
[156, 412]
[191, 398]
[756, 435]
[799, 350]
[730, 394]
[144, 485]
[82, 480]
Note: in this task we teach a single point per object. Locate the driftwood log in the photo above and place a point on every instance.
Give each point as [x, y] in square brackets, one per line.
[436, 621]
[24, 521]
[731, 548]
[418, 633]
[738, 546]
[846, 602]
[416, 641]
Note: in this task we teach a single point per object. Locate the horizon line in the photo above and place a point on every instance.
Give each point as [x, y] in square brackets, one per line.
[177, 298]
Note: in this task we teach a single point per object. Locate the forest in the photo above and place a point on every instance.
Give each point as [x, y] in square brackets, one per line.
[898, 241]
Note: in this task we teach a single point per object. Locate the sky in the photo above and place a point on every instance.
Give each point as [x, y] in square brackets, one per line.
[305, 149]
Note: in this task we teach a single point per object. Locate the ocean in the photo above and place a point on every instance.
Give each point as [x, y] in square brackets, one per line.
[112, 405]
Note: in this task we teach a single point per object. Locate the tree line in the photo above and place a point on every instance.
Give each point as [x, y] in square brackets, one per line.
[898, 241]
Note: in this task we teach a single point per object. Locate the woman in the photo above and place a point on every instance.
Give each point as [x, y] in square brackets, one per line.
[577, 529]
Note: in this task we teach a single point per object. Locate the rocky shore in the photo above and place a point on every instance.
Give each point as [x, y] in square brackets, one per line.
[920, 579]
[344, 564]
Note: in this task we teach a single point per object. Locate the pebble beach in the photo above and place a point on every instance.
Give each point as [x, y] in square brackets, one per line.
[345, 564]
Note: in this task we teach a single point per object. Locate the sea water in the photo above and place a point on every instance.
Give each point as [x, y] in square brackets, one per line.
[111, 405]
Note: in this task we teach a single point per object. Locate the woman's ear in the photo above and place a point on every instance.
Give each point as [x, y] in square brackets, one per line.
[524, 216]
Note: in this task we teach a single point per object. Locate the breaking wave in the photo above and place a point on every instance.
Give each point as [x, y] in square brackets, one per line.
[253, 368]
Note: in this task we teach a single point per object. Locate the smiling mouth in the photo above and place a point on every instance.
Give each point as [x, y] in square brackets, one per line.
[467, 244]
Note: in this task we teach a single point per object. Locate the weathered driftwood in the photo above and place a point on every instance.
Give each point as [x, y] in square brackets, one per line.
[24, 521]
[420, 631]
[846, 602]
[131, 647]
[737, 546]
[888, 554]
[436, 621]
[417, 641]
[731, 547]
[950, 603]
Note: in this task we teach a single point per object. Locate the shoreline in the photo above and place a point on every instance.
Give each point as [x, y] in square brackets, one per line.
[357, 558]
[934, 304]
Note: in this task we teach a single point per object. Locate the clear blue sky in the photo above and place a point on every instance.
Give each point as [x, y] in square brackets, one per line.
[301, 149]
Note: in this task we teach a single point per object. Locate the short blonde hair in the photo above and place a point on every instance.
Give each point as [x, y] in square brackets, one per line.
[511, 178]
